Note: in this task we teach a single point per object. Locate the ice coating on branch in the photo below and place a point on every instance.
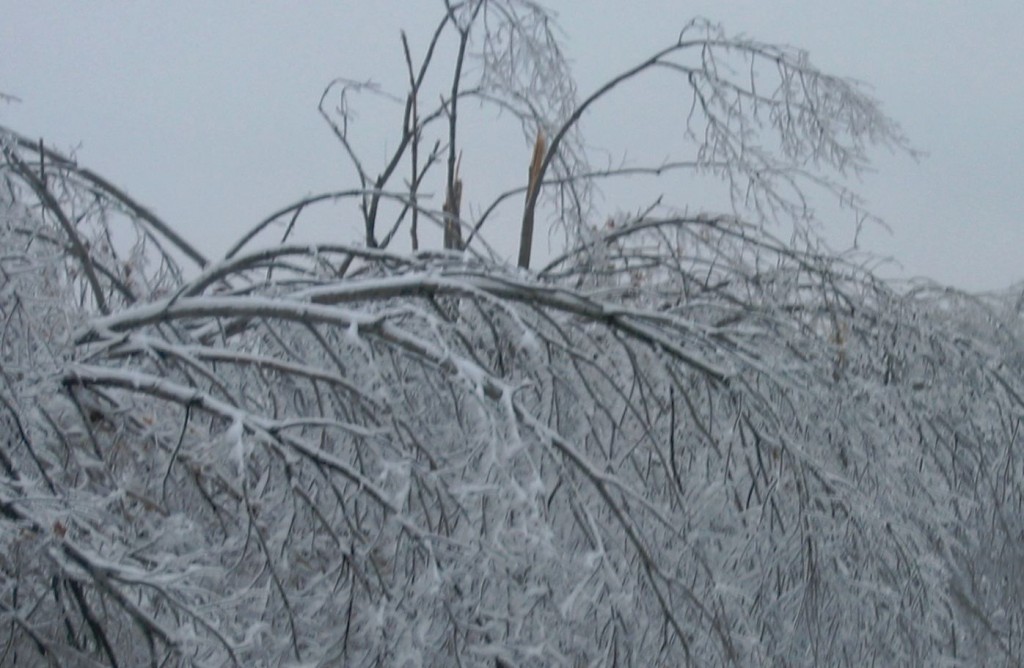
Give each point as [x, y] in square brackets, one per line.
[240, 449]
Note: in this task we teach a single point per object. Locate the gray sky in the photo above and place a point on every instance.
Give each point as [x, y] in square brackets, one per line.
[206, 111]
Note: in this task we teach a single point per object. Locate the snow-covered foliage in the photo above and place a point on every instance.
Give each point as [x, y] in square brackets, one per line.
[683, 442]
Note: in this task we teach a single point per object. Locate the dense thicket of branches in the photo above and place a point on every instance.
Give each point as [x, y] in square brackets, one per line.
[683, 442]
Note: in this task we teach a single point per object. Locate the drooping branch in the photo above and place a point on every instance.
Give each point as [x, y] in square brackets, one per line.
[81, 253]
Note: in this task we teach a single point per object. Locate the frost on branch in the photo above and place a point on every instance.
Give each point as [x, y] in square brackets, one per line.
[682, 442]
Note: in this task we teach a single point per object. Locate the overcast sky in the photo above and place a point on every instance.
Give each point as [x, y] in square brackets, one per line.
[206, 111]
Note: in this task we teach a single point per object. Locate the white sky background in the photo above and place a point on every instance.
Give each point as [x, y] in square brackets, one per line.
[206, 111]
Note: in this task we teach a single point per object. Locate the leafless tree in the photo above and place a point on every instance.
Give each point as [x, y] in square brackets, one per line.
[682, 442]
